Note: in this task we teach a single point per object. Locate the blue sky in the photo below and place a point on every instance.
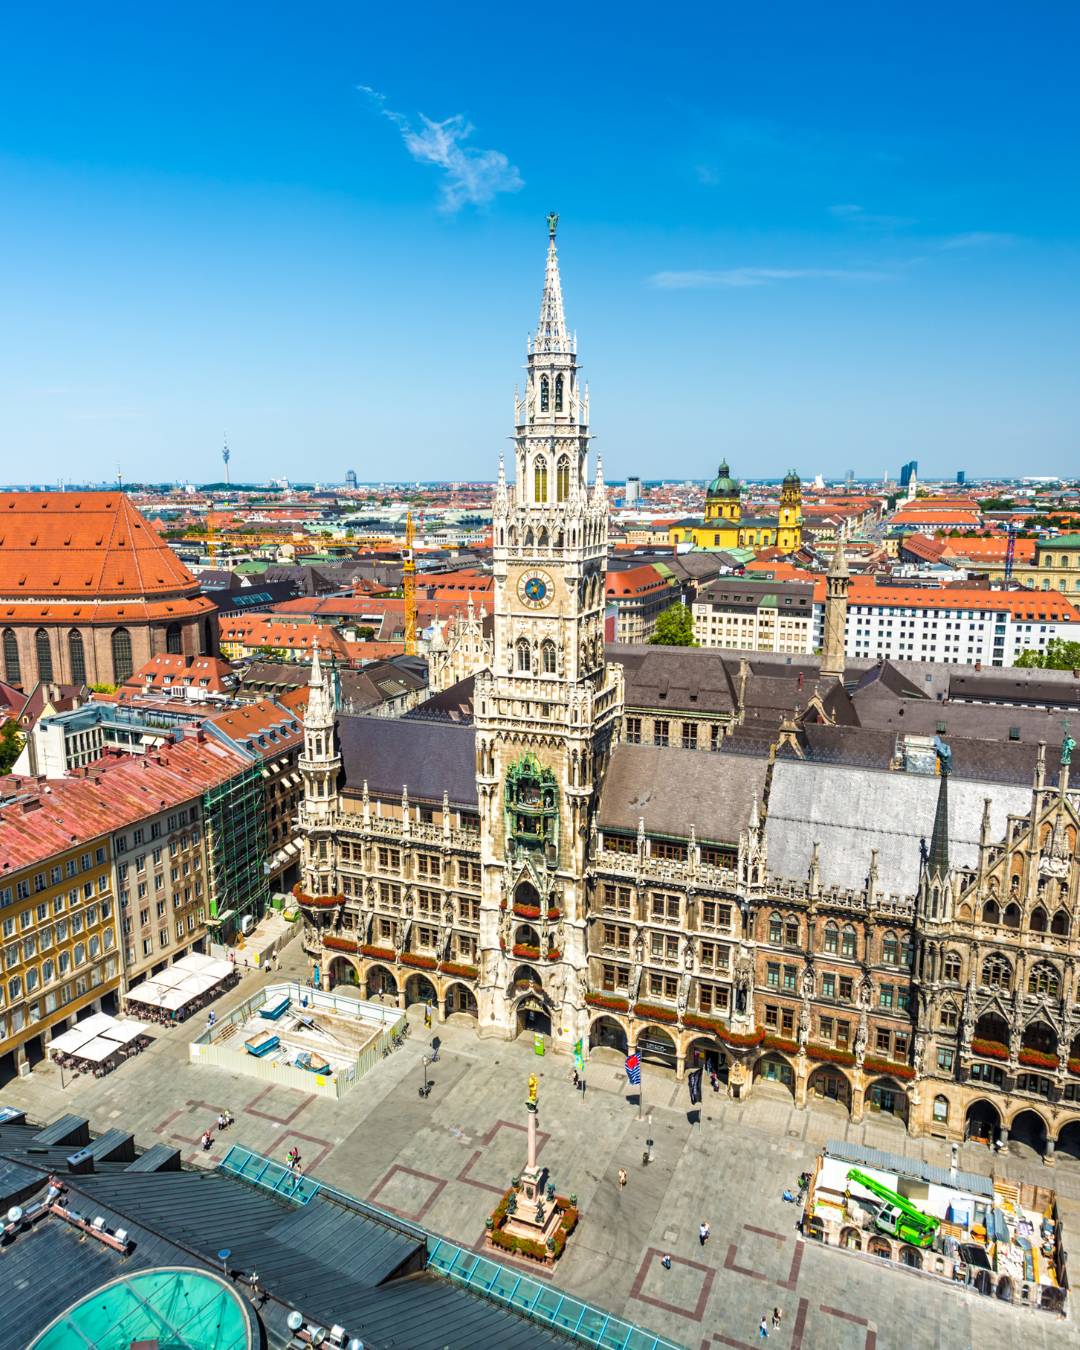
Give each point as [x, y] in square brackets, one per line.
[831, 237]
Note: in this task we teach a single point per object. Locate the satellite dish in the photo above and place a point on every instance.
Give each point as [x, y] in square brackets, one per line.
[295, 1320]
[14, 1214]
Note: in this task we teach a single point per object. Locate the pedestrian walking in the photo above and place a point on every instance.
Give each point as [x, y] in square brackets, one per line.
[622, 1176]
[703, 1233]
[665, 1261]
[763, 1330]
[577, 1080]
[777, 1318]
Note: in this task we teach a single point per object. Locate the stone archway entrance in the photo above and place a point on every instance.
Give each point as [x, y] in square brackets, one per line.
[982, 1122]
[705, 1053]
[1068, 1140]
[888, 1098]
[381, 983]
[829, 1084]
[342, 971]
[419, 989]
[1029, 1128]
[656, 1046]
[533, 1017]
[607, 1033]
[776, 1070]
[460, 999]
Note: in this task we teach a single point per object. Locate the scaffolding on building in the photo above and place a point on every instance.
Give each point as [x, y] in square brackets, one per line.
[235, 818]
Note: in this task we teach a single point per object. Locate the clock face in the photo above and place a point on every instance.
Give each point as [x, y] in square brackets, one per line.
[535, 590]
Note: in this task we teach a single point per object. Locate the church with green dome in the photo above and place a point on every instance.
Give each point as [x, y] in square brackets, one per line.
[724, 526]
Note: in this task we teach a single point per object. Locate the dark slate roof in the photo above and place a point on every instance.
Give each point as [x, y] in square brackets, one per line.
[681, 679]
[327, 1258]
[674, 789]
[428, 757]
[1020, 686]
[454, 704]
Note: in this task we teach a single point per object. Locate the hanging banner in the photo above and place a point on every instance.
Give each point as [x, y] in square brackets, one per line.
[579, 1056]
[538, 1043]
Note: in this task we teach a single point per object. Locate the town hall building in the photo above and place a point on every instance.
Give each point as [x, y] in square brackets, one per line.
[805, 872]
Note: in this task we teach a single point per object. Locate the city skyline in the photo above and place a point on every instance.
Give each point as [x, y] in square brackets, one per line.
[325, 245]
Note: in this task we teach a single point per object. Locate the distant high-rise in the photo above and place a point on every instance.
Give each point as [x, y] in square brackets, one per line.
[633, 491]
[961, 478]
[850, 479]
[226, 455]
[908, 471]
[350, 479]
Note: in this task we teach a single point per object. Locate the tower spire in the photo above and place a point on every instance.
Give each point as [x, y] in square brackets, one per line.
[938, 860]
[551, 335]
[837, 581]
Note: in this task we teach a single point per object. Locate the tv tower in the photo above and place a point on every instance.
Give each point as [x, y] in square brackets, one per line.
[225, 455]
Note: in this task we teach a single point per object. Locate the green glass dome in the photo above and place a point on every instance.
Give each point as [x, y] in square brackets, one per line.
[171, 1306]
[723, 485]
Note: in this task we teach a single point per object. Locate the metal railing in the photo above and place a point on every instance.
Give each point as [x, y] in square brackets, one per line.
[540, 1301]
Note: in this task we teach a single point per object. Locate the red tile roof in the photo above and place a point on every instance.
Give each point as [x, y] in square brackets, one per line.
[68, 545]
[263, 727]
[52, 815]
[1032, 606]
[167, 669]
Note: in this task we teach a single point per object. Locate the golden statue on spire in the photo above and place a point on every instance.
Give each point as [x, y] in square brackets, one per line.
[534, 1085]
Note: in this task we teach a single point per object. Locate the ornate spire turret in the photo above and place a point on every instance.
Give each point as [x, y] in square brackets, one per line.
[551, 334]
[837, 581]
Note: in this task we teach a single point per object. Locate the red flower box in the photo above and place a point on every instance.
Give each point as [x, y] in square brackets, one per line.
[317, 901]
[616, 1004]
[382, 953]
[738, 1038]
[654, 1013]
[553, 913]
[829, 1055]
[1038, 1059]
[703, 1023]
[421, 962]
[527, 911]
[554, 954]
[340, 944]
[453, 968]
[1074, 1065]
[778, 1043]
[888, 1067]
[990, 1049]
[527, 950]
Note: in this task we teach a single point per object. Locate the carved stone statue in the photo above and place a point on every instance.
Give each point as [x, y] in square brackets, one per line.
[1015, 1040]
[804, 1024]
[639, 947]
[688, 955]
[808, 982]
[865, 996]
[919, 1056]
[861, 1037]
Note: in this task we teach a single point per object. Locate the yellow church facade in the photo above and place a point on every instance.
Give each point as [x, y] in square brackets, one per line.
[725, 526]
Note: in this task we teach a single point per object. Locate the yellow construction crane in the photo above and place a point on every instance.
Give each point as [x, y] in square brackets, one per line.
[408, 587]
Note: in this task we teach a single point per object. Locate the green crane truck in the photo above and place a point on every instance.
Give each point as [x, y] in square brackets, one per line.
[898, 1217]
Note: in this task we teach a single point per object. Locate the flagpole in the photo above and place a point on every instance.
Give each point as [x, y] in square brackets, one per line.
[641, 1089]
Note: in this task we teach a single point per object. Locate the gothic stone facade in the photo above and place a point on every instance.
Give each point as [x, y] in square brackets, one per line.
[534, 870]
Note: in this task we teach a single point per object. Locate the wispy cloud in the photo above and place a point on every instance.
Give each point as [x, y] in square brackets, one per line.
[472, 177]
[977, 239]
[853, 214]
[734, 277]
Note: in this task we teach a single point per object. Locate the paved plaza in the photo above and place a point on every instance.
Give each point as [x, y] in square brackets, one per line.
[443, 1162]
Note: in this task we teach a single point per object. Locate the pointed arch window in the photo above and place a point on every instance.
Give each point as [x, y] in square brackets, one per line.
[832, 938]
[12, 669]
[76, 657]
[558, 393]
[524, 656]
[997, 972]
[847, 941]
[1038, 920]
[562, 479]
[991, 913]
[951, 967]
[121, 655]
[540, 479]
[173, 643]
[1044, 979]
[43, 650]
[1059, 924]
[890, 951]
[545, 394]
[547, 657]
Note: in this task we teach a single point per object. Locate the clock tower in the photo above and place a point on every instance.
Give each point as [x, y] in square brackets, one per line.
[547, 709]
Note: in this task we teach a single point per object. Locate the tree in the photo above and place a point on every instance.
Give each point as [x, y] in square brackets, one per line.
[365, 632]
[11, 744]
[674, 628]
[1059, 655]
